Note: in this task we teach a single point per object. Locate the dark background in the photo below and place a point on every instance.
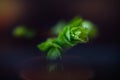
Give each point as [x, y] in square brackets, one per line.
[101, 53]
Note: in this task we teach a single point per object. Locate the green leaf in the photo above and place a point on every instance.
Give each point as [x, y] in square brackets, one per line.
[58, 27]
[75, 22]
[51, 42]
[92, 30]
[53, 53]
[19, 31]
[43, 46]
[22, 31]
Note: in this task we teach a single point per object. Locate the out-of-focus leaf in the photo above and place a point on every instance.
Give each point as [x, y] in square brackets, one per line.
[23, 32]
[58, 27]
[92, 29]
[53, 53]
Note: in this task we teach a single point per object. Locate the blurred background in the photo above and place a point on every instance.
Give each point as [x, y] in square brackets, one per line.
[41, 15]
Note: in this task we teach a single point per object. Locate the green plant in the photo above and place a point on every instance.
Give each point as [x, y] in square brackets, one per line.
[74, 32]
[22, 31]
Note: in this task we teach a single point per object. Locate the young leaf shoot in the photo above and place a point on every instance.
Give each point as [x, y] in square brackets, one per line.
[76, 31]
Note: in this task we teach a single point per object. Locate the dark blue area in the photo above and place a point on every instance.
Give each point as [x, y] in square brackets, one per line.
[88, 54]
[95, 54]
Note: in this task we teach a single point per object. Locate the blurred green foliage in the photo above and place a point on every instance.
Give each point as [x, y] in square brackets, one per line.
[23, 32]
[70, 34]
